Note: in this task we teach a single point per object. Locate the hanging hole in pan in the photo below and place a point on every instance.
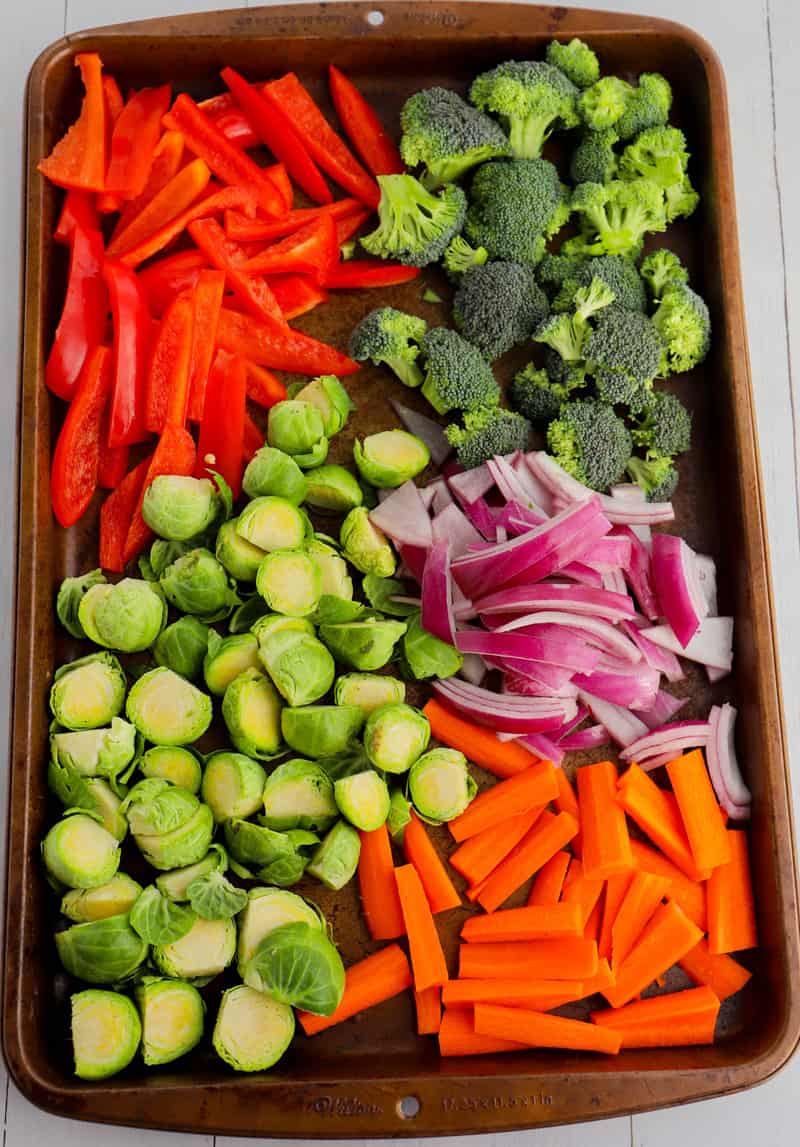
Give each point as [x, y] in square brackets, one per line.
[375, 18]
[408, 1107]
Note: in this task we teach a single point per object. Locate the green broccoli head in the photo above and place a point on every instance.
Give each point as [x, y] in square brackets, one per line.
[576, 60]
[657, 476]
[390, 337]
[623, 352]
[499, 305]
[680, 199]
[414, 226]
[647, 106]
[660, 269]
[616, 271]
[594, 159]
[590, 442]
[683, 322]
[446, 135]
[535, 396]
[459, 257]
[602, 105]
[569, 374]
[515, 207]
[616, 216]
[658, 154]
[457, 376]
[488, 431]
[665, 428]
[532, 100]
[567, 333]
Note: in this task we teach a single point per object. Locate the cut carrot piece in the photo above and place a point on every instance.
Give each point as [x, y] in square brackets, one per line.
[667, 938]
[503, 758]
[604, 831]
[591, 929]
[731, 911]
[539, 995]
[379, 899]
[692, 1032]
[585, 891]
[182, 190]
[645, 892]
[616, 887]
[429, 1011]
[537, 923]
[690, 895]
[724, 975]
[536, 786]
[548, 835]
[651, 809]
[546, 888]
[564, 959]
[427, 957]
[699, 810]
[603, 979]
[420, 852]
[457, 1036]
[535, 1029]
[566, 801]
[370, 982]
[481, 854]
[657, 1009]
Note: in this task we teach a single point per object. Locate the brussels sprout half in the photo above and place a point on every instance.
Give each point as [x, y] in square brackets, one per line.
[70, 595]
[252, 1031]
[182, 646]
[299, 794]
[89, 692]
[297, 428]
[300, 666]
[214, 897]
[272, 472]
[206, 950]
[368, 690]
[106, 805]
[115, 898]
[320, 730]
[127, 616]
[395, 736]
[179, 766]
[175, 884]
[168, 709]
[106, 1031]
[233, 785]
[382, 594]
[290, 582]
[196, 583]
[399, 815]
[365, 645]
[330, 398]
[298, 965]
[272, 524]
[247, 614]
[390, 458]
[365, 545]
[101, 951]
[440, 785]
[251, 709]
[267, 909]
[157, 919]
[96, 752]
[226, 658]
[427, 656]
[79, 853]
[170, 825]
[334, 489]
[239, 557]
[336, 860]
[172, 1019]
[364, 799]
[335, 579]
[179, 508]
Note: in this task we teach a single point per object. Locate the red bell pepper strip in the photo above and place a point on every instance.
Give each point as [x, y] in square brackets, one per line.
[244, 229]
[133, 142]
[228, 162]
[288, 350]
[262, 386]
[252, 291]
[132, 337]
[79, 158]
[369, 273]
[253, 438]
[323, 144]
[174, 454]
[73, 476]
[347, 227]
[163, 280]
[115, 102]
[83, 319]
[206, 301]
[228, 118]
[116, 515]
[362, 126]
[173, 199]
[166, 164]
[78, 209]
[310, 251]
[112, 466]
[168, 371]
[280, 177]
[276, 131]
[296, 294]
[213, 204]
[221, 439]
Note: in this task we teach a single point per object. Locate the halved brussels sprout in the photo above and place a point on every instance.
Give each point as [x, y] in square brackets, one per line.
[274, 625]
[106, 1031]
[427, 656]
[368, 690]
[107, 805]
[233, 785]
[298, 965]
[334, 489]
[247, 614]
[96, 752]
[440, 785]
[172, 1019]
[101, 951]
[395, 736]
[272, 524]
[272, 472]
[179, 508]
[320, 730]
[299, 794]
[175, 884]
[252, 1031]
[115, 898]
[175, 764]
[214, 897]
[365, 645]
[381, 593]
[390, 458]
[266, 910]
[89, 692]
[239, 557]
[70, 595]
[127, 616]
[205, 951]
[337, 611]
[196, 583]
[254, 845]
[157, 919]
[365, 545]
[79, 853]
[336, 860]
[364, 799]
[251, 709]
[170, 825]
[290, 582]
[182, 646]
[163, 554]
[168, 709]
[335, 579]
[297, 428]
[399, 815]
[300, 666]
[226, 658]
[331, 400]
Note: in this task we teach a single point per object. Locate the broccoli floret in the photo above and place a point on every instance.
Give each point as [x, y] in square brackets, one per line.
[594, 159]
[442, 131]
[498, 306]
[680, 199]
[646, 106]
[602, 105]
[568, 333]
[657, 477]
[390, 337]
[535, 396]
[414, 226]
[556, 270]
[624, 352]
[658, 154]
[616, 216]
[684, 324]
[532, 100]
[457, 376]
[590, 442]
[515, 207]
[660, 269]
[616, 271]
[460, 257]
[488, 431]
[665, 428]
[569, 374]
[576, 60]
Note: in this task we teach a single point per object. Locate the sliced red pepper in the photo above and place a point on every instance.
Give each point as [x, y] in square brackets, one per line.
[253, 438]
[244, 229]
[363, 127]
[174, 454]
[310, 251]
[133, 142]
[228, 118]
[171, 201]
[73, 476]
[369, 273]
[115, 102]
[280, 177]
[276, 131]
[206, 301]
[166, 164]
[112, 465]
[168, 372]
[347, 227]
[262, 386]
[288, 349]
[228, 162]
[132, 337]
[251, 290]
[163, 280]
[220, 443]
[116, 515]
[79, 158]
[79, 210]
[213, 204]
[323, 144]
[83, 318]
[296, 294]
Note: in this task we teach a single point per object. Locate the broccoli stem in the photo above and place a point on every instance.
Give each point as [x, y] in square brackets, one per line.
[528, 135]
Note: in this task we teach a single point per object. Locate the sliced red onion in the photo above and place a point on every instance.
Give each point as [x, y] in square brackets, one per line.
[614, 581]
[732, 793]
[510, 486]
[679, 594]
[628, 492]
[563, 555]
[564, 486]
[473, 668]
[437, 606]
[470, 485]
[610, 553]
[592, 738]
[481, 516]
[440, 495]
[413, 559]
[533, 678]
[581, 573]
[452, 525]
[505, 713]
[518, 520]
[404, 518]
[631, 690]
[663, 709]
[672, 739]
[569, 599]
[644, 534]
[570, 726]
[592, 629]
[656, 656]
[428, 431]
[622, 726]
[501, 533]
[707, 575]
[537, 493]
[544, 748]
[711, 645]
[567, 651]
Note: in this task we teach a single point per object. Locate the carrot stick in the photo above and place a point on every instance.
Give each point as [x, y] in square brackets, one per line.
[370, 982]
[658, 1009]
[699, 810]
[563, 959]
[429, 1011]
[536, 1029]
[582, 890]
[691, 1032]
[591, 929]
[601, 981]
[479, 855]
[650, 808]
[538, 923]
[503, 758]
[379, 899]
[420, 852]
[457, 1036]
[606, 845]
[645, 892]
[690, 895]
[545, 838]
[427, 957]
[731, 911]
[724, 975]
[540, 995]
[616, 887]
[566, 801]
[546, 888]
[666, 939]
[535, 786]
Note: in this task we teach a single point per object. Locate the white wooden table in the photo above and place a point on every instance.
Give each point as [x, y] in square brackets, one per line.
[758, 41]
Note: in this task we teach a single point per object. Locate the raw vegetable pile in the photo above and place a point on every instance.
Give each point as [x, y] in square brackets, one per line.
[301, 595]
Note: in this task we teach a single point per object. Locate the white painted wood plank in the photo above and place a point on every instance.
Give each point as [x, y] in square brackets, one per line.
[606, 1133]
[93, 13]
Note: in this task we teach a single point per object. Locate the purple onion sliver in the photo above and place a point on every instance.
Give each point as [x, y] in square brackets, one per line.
[591, 738]
[404, 518]
[430, 432]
